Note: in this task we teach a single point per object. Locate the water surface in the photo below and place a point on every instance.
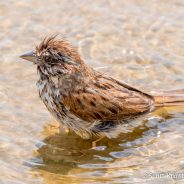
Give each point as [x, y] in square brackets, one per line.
[140, 42]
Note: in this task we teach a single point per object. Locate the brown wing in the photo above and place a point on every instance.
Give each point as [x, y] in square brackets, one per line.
[108, 99]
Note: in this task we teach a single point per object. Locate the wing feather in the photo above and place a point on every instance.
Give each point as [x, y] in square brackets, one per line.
[108, 99]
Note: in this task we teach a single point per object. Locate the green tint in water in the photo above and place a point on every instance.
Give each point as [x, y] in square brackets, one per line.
[131, 157]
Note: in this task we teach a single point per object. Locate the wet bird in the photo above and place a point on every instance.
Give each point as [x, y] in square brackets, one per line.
[87, 101]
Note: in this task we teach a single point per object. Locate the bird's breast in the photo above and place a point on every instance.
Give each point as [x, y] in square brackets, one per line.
[50, 94]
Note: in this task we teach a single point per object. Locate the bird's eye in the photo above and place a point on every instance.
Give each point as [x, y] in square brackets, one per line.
[60, 54]
[59, 72]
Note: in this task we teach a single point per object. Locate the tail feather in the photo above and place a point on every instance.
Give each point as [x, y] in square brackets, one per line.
[169, 98]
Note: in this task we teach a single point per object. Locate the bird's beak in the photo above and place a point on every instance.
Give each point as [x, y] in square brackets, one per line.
[29, 56]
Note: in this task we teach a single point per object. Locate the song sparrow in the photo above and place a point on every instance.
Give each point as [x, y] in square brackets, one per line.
[82, 99]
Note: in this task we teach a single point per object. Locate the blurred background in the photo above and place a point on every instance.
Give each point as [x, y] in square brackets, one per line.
[138, 41]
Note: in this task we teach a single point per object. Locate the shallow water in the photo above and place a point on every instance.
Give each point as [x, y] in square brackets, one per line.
[140, 42]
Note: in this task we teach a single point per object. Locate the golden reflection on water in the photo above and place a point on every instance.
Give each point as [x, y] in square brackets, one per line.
[68, 158]
[140, 42]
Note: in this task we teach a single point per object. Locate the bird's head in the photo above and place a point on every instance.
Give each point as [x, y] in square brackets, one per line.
[54, 57]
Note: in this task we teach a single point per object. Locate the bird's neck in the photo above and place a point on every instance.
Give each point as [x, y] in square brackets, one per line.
[73, 81]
